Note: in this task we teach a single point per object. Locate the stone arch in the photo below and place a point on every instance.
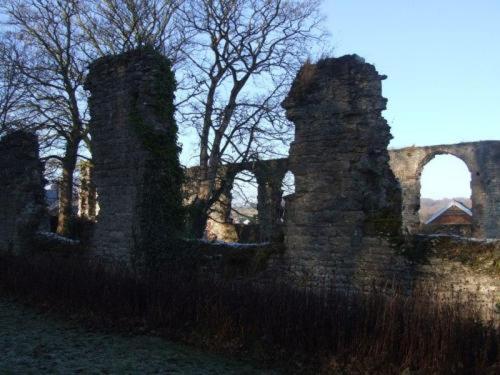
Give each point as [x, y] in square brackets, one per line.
[269, 175]
[221, 225]
[430, 155]
[483, 161]
[467, 156]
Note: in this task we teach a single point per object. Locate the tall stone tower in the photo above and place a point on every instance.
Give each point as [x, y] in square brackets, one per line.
[346, 212]
[135, 154]
[22, 201]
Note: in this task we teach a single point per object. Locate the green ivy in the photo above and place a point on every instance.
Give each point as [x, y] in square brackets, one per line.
[161, 212]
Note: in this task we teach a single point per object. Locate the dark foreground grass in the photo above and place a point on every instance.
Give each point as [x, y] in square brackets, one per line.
[41, 344]
[329, 331]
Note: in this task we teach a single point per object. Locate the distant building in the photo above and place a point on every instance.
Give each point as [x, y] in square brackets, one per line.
[455, 218]
[454, 213]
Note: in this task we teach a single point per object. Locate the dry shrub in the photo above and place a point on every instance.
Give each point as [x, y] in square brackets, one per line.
[322, 331]
[305, 77]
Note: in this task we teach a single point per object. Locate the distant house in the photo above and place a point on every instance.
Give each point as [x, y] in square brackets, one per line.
[454, 213]
[455, 218]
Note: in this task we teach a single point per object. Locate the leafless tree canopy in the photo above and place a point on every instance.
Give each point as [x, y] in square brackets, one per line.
[115, 26]
[243, 56]
[45, 49]
[13, 90]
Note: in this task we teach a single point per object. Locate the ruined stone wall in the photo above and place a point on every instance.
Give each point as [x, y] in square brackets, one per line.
[136, 167]
[459, 269]
[482, 158]
[269, 175]
[346, 208]
[483, 162]
[342, 225]
[22, 201]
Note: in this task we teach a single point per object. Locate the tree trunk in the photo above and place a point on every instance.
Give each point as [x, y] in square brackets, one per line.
[198, 211]
[66, 189]
[198, 219]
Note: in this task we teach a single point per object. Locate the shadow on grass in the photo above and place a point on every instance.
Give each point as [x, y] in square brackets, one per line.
[324, 331]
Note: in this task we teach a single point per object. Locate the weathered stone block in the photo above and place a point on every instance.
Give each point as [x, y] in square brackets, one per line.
[136, 167]
[22, 200]
[346, 195]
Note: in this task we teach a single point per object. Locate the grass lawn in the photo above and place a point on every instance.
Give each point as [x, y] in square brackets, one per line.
[34, 343]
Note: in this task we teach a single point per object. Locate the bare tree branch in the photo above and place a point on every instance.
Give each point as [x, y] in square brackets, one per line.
[243, 56]
[45, 49]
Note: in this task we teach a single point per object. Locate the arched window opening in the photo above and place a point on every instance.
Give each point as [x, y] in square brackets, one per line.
[445, 196]
[234, 217]
[244, 199]
[288, 189]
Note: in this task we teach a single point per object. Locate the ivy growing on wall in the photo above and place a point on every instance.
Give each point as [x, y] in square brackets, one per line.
[160, 211]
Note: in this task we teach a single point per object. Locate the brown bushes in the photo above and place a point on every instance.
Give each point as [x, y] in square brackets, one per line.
[374, 333]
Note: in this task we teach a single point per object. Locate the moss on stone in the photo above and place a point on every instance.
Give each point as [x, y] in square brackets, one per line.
[480, 256]
[161, 212]
[385, 223]
[250, 261]
[231, 261]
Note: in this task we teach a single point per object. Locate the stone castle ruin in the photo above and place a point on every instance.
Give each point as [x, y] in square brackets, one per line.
[136, 169]
[22, 201]
[354, 213]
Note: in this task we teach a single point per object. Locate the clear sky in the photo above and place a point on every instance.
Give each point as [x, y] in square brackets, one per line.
[442, 59]
[445, 177]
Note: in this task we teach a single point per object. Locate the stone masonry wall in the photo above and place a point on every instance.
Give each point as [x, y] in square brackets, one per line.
[269, 175]
[345, 213]
[87, 200]
[482, 160]
[22, 201]
[136, 168]
[342, 225]
[458, 269]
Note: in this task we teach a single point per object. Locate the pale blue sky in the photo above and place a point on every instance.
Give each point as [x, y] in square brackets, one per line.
[445, 177]
[442, 59]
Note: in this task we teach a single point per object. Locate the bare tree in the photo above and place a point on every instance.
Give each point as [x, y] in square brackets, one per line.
[47, 43]
[12, 92]
[115, 26]
[243, 57]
